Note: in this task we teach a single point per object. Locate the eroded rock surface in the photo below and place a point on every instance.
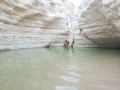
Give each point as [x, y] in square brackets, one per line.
[42, 23]
[31, 23]
[100, 21]
[35, 23]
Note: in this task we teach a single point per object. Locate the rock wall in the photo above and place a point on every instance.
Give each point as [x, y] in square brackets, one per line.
[76, 33]
[42, 23]
[100, 21]
[31, 23]
[37, 23]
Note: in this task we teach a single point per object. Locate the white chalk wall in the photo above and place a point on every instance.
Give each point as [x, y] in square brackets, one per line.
[100, 21]
[38, 23]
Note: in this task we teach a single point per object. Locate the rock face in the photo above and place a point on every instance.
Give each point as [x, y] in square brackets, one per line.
[43, 23]
[31, 23]
[100, 21]
[36, 23]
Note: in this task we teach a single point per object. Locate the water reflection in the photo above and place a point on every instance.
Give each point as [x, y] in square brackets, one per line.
[70, 79]
[60, 69]
[74, 74]
[65, 88]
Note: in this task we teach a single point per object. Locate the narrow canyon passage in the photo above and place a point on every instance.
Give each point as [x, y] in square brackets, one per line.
[33, 24]
[33, 55]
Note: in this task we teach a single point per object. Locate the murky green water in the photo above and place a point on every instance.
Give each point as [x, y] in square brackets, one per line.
[60, 69]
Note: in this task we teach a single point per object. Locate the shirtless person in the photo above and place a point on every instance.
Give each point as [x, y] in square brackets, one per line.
[66, 43]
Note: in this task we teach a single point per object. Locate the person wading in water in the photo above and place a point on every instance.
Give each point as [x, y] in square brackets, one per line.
[66, 43]
[72, 42]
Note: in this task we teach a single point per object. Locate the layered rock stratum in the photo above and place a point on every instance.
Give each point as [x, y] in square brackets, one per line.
[100, 20]
[42, 23]
[31, 23]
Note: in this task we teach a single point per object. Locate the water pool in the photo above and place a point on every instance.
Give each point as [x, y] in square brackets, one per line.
[60, 69]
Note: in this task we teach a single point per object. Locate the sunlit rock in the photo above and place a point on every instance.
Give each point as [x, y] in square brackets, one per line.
[100, 20]
[42, 23]
[32, 23]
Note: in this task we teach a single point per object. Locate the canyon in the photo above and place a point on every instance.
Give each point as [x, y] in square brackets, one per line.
[43, 23]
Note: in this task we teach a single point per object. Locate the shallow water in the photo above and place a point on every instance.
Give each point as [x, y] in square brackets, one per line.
[60, 69]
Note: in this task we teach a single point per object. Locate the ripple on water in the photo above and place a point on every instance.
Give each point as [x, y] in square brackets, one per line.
[65, 88]
[74, 74]
[70, 79]
[74, 67]
[55, 69]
